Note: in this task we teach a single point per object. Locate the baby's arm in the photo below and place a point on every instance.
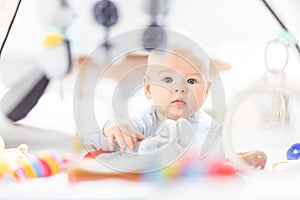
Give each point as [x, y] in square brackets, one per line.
[125, 135]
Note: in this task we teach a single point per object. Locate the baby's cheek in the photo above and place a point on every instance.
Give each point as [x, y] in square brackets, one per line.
[200, 94]
[161, 101]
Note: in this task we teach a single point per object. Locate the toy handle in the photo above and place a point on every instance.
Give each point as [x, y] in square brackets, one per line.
[18, 102]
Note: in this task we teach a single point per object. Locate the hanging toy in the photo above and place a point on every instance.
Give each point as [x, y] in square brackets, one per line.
[56, 60]
[106, 14]
[261, 119]
[54, 63]
[286, 34]
[154, 36]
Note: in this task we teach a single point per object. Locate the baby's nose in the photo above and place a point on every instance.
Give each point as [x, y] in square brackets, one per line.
[180, 89]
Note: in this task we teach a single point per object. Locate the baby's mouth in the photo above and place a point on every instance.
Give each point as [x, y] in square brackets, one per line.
[179, 102]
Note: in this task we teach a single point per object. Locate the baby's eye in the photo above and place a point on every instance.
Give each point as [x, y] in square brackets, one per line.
[191, 81]
[168, 80]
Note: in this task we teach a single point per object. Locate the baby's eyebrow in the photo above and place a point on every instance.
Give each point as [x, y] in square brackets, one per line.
[195, 74]
[166, 71]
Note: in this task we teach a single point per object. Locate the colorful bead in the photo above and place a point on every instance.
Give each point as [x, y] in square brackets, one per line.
[293, 153]
[46, 168]
[51, 160]
[222, 168]
[21, 174]
[38, 168]
[29, 170]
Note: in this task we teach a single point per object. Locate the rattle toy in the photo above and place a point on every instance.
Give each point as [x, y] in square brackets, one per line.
[17, 164]
[189, 166]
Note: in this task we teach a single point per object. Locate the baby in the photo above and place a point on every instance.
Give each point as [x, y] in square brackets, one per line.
[177, 82]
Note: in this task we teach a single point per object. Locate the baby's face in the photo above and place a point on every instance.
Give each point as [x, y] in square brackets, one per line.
[176, 87]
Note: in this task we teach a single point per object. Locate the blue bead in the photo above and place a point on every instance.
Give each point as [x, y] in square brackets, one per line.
[293, 153]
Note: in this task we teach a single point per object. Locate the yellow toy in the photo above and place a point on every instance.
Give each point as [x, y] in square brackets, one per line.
[17, 164]
[11, 159]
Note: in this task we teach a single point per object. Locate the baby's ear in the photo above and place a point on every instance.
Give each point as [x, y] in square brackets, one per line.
[207, 89]
[147, 88]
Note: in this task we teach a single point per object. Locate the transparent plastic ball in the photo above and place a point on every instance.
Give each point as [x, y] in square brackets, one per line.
[263, 120]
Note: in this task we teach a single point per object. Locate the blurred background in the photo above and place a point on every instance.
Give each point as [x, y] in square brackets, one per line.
[234, 33]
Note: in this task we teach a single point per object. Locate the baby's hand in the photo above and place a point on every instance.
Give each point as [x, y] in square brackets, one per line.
[125, 135]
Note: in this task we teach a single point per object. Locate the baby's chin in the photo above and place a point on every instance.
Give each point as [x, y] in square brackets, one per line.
[176, 116]
[174, 113]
